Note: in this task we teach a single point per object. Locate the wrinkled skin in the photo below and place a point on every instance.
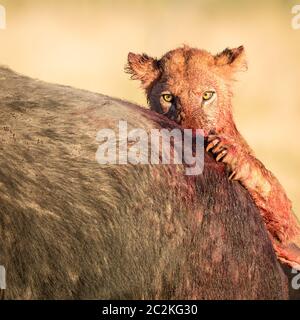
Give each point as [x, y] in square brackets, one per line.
[193, 87]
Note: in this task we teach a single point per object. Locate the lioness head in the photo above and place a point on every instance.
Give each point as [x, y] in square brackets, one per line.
[190, 86]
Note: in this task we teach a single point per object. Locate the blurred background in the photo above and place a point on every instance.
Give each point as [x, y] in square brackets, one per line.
[84, 43]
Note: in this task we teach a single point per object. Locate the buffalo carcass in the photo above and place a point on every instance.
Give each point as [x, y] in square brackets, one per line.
[71, 228]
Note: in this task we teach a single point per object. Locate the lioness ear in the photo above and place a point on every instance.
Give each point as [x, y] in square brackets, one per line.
[143, 68]
[233, 58]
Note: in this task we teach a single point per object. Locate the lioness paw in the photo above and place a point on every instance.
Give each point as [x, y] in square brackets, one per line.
[224, 151]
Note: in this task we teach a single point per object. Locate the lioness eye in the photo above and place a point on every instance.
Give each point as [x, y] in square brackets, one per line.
[167, 97]
[207, 95]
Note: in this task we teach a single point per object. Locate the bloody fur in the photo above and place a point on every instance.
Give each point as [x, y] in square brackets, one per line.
[186, 73]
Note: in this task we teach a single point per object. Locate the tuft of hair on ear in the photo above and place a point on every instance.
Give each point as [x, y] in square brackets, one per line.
[234, 58]
[143, 68]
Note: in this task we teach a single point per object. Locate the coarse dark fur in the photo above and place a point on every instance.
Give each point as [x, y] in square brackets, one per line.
[71, 228]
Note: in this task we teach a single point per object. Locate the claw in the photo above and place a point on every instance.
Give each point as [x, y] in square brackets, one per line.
[212, 144]
[218, 148]
[232, 175]
[211, 137]
[221, 155]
